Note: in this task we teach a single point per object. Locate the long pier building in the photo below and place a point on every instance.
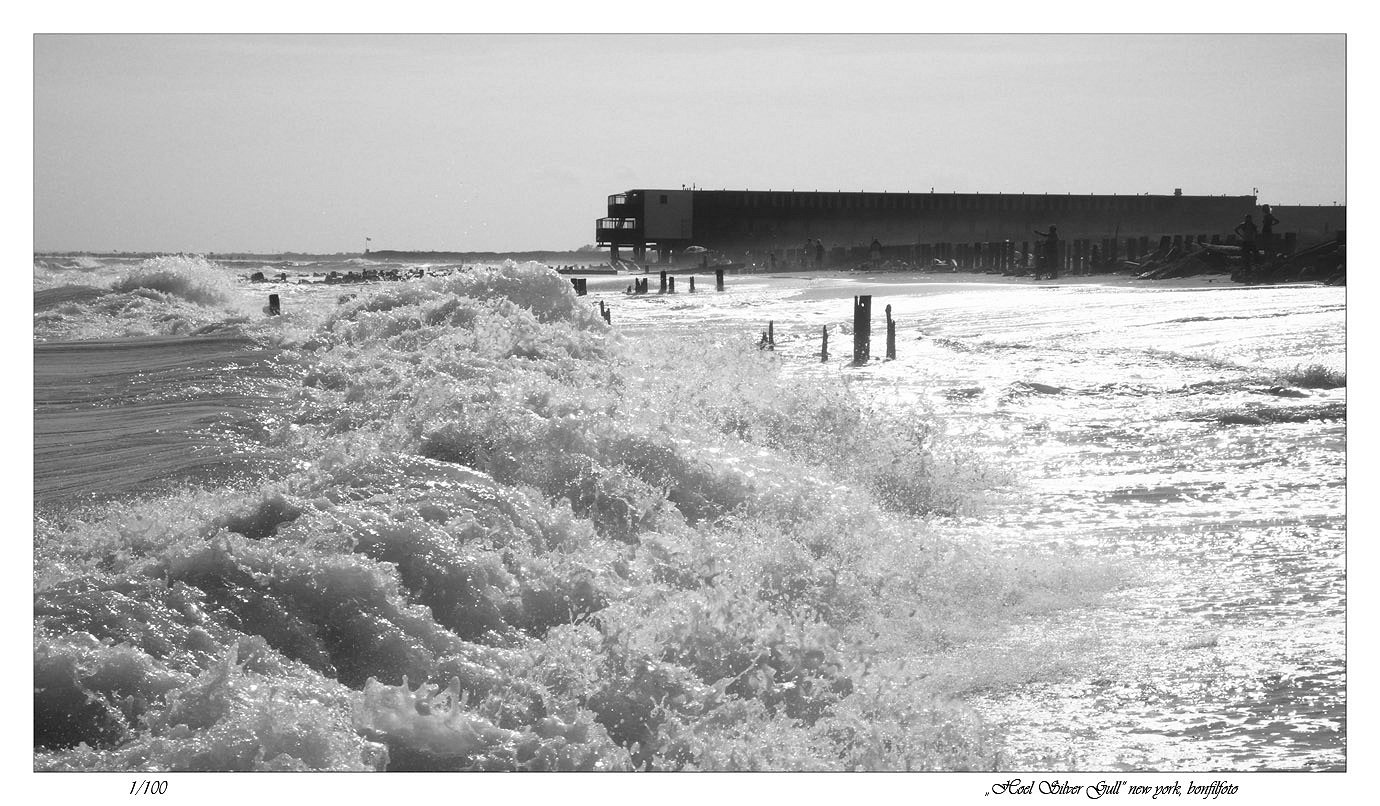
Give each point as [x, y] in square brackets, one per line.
[758, 222]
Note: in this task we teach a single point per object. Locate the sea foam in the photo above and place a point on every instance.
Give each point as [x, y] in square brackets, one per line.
[512, 539]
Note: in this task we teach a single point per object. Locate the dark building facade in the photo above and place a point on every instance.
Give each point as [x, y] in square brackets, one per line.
[757, 222]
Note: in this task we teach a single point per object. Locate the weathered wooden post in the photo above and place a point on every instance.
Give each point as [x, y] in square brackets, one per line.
[663, 282]
[862, 328]
[606, 312]
[890, 335]
[275, 306]
[771, 335]
[824, 344]
[718, 279]
[670, 285]
[692, 285]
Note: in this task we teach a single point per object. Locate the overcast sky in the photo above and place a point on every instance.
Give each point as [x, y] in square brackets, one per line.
[507, 142]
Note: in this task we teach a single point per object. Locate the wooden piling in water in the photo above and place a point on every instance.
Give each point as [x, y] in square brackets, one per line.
[718, 279]
[862, 328]
[275, 306]
[692, 285]
[670, 285]
[663, 282]
[824, 344]
[890, 335]
[771, 334]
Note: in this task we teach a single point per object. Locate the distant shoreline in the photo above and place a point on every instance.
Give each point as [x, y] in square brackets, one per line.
[544, 255]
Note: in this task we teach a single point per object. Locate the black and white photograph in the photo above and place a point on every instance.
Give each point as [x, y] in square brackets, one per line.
[967, 405]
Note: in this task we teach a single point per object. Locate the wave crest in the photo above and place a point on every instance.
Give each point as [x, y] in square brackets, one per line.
[189, 277]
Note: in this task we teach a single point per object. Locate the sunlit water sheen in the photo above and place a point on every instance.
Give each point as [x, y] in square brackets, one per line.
[1145, 425]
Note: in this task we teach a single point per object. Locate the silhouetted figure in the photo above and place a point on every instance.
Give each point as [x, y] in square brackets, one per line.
[1048, 260]
[1246, 231]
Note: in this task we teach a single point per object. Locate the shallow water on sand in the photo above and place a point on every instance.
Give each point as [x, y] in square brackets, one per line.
[120, 416]
[1147, 425]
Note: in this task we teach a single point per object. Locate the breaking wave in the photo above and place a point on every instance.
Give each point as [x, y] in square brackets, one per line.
[163, 296]
[512, 539]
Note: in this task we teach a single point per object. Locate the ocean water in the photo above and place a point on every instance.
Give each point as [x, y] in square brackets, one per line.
[463, 523]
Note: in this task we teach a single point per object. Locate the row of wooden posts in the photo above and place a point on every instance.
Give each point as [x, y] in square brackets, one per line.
[862, 319]
[639, 284]
[862, 333]
[1074, 254]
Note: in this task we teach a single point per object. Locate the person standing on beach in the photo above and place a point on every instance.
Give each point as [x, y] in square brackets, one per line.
[1048, 260]
[1246, 230]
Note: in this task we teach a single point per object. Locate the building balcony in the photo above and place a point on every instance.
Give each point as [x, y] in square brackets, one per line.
[618, 230]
